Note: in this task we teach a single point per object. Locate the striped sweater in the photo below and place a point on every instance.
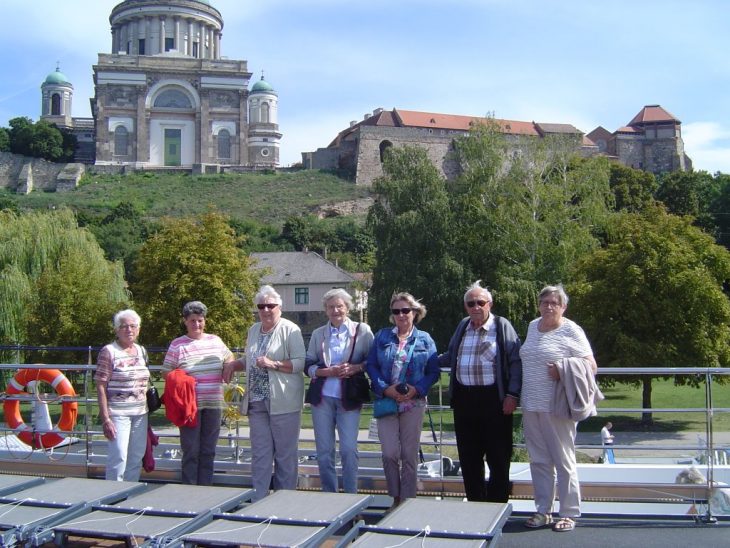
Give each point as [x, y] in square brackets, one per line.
[203, 359]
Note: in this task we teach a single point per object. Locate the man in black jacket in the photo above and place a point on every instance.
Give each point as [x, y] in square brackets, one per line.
[486, 378]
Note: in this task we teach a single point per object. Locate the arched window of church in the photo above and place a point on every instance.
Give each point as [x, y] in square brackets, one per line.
[172, 98]
[56, 104]
[265, 113]
[385, 145]
[224, 144]
[121, 139]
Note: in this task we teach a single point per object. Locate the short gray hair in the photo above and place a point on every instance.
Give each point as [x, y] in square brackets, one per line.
[478, 286]
[419, 309]
[266, 291]
[337, 293]
[128, 313]
[556, 290]
[194, 307]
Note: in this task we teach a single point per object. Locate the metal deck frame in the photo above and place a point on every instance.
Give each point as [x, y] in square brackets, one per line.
[35, 510]
[284, 518]
[156, 515]
[453, 523]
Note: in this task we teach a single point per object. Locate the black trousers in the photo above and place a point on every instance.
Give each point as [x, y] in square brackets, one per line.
[482, 432]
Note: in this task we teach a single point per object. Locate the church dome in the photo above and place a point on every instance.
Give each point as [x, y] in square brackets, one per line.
[262, 86]
[56, 77]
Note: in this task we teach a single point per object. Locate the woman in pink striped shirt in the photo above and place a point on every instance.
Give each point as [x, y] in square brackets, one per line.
[202, 356]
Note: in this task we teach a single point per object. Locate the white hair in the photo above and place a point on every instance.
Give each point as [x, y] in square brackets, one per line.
[128, 313]
[477, 285]
[266, 291]
[337, 293]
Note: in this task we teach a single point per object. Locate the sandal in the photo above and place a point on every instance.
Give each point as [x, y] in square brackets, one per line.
[564, 524]
[538, 520]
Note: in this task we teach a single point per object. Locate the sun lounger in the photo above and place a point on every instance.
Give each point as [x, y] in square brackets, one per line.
[284, 518]
[444, 523]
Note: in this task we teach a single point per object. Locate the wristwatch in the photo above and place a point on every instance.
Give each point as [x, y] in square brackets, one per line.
[277, 365]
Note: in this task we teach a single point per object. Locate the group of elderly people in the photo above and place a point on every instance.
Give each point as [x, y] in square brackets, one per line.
[491, 372]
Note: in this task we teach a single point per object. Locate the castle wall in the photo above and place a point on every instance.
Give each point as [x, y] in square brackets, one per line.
[437, 145]
[41, 175]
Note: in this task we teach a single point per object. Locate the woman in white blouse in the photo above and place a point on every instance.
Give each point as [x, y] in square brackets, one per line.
[550, 439]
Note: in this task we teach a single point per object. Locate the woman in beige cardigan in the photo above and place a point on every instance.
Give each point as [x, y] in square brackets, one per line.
[274, 363]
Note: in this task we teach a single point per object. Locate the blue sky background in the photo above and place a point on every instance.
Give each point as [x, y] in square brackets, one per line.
[580, 62]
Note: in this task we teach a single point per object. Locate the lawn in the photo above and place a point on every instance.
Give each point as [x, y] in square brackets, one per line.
[264, 197]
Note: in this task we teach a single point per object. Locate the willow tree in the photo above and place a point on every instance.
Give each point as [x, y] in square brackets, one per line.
[56, 288]
[525, 211]
[194, 259]
[654, 296]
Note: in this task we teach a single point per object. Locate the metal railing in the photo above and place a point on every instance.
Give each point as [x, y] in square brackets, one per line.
[233, 458]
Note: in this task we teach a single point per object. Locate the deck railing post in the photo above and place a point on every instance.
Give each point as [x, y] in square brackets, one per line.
[708, 517]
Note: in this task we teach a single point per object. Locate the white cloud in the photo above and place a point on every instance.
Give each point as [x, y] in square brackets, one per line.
[708, 144]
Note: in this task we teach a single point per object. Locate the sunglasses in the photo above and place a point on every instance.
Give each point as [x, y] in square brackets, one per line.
[398, 311]
[268, 306]
[472, 304]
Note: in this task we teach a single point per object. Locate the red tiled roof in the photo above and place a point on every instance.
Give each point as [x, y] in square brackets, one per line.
[412, 118]
[628, 129]
[599, 133]
[653, 114]
[453, 122]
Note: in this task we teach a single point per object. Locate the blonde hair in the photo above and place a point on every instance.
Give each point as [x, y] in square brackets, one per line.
[419, 309]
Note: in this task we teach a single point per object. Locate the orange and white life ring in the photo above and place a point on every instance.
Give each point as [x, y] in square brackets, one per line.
[14, 420]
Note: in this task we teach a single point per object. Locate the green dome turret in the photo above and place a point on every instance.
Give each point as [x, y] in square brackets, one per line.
[262, 86]
[57, 77]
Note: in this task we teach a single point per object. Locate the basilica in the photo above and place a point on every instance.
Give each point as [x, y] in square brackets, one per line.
[165, 96]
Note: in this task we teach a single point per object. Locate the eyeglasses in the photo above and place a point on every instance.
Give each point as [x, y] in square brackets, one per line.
[472, 304]
[267, 306]
[129, 326]
[399, 311]
[554, 304]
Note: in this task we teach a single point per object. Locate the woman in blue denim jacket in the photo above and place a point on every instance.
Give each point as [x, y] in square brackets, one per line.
[399, 368]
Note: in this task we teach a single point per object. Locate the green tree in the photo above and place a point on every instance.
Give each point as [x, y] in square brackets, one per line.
[195, 259]
[633, 189]
[47, 142]
[4, 140]
[56, 288]
[21, 135]
[691, 193]
[120, 233]
[40, 140]
[653, 296]
[412, 224]
[524, 213]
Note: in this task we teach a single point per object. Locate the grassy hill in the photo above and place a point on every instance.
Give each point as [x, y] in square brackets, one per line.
[267, 198]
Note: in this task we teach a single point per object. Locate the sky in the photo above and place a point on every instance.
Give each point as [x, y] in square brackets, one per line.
[579, 62]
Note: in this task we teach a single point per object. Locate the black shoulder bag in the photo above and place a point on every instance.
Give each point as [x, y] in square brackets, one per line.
[355, 389]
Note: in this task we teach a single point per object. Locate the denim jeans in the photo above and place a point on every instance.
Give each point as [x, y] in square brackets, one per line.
[124, 461]
[327, 416]
[198, 446]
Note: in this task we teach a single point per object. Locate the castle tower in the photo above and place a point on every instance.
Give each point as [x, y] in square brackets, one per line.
[263, 133]
[57, 99]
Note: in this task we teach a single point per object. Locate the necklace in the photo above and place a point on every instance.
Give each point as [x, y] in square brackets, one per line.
[267, 331]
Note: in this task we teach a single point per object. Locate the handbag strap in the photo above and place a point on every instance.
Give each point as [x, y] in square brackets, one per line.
[354, 340]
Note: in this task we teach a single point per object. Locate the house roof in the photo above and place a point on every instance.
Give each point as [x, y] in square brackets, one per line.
[653, 114]
[600, 133]
[300, 267]
[452, 122]
[567, 129]
[628, 129]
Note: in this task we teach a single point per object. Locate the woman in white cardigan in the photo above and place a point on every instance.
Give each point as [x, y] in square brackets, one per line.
[274, 363]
